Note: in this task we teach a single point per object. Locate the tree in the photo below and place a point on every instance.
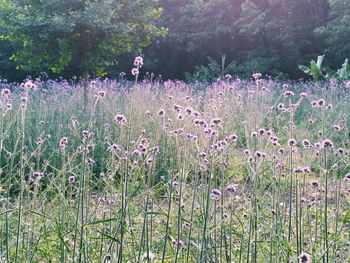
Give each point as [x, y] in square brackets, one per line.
[336, 31]
[82, 35]
[281, 31]
[197, 29]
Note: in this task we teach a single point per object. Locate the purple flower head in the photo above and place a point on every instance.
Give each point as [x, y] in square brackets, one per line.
[120, 118]
[288, 93]
[138, 62]
[321, 102]
[231, 188]
[135, 71]
[5, 92]
[306, 143]
[261, 131]
[216, 121]
[347, 177]
[102, 93]
[327, 143]
[71, 179]
[136, 153]
[233, 137]
[292, 142]
[215, 194]
[90, 161]
[304, 258]
[161, 113]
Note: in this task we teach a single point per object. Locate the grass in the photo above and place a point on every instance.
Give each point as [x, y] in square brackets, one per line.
[251, 171]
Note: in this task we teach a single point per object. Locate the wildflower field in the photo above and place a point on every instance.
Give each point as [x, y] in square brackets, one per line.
[231, 171]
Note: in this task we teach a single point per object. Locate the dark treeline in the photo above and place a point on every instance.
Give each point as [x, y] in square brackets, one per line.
[267, 36]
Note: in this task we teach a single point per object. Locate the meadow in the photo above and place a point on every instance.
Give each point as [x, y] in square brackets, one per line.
[153, 171]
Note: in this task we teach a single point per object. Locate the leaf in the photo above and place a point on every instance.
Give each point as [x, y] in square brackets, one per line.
[320, 61]
[100, 221]
[346, 218]
[287, 245]
[109, 237]
[305, 69]
[344, 71]
[7, 211]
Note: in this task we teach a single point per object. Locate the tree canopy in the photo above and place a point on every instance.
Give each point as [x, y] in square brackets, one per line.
[82, 35]
[101, 36]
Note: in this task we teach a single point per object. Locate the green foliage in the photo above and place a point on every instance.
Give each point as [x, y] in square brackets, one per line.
[268, 36]
[336, 31]
[86, 36]
[321, 73]
[213, 70]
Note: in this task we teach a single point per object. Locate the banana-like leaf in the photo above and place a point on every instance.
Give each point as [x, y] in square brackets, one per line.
[344, 71]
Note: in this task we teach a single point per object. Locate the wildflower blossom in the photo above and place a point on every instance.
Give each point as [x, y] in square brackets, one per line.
[288, 93]
[215, 194]
[5, 92]
[102, 93]
[90, 161]
[138, 62]
[232, 137]
[71, 179]
[304, 258]
[161, 113]
[179, 243]
[63, 142]
[254, 134]
[315, 183]
[347, 177]
[336, 127]
[292, 142]
[327, 143]
[231, 188]
[186, 225]
[114, 148]
[246, 152]
[216, 121]
[28, 85]
[135, 71]
[306, 143]
[149, 160]
[260, 154]
[257, 76]
[120, 118]
[321, 102]
[136, 153]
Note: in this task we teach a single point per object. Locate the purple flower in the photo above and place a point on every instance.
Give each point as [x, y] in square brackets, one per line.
[161, 113]
[231, 188]
[347, 177]
[292, 142]
[327, 143]
[215, 194]
[71, 179]
[288, 93]
[135, 71]
[304, 258]
[138, 62]
[233, 137]
[120, 118]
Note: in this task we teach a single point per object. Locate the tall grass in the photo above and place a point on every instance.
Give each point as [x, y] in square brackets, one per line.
[230, 171]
